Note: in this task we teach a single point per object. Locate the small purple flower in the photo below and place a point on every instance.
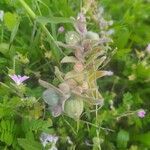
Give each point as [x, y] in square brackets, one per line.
[141, 113]
[18, 79]
[61, 29]
[48, 138]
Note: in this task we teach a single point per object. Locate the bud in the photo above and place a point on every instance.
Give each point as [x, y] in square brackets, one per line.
[61, 29]
[48, 54]
[81, 23]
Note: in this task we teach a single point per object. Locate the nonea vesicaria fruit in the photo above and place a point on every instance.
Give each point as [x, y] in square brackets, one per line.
[73, 107]
[51, 97]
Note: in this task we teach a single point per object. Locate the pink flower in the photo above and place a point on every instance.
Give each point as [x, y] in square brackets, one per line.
[61, 29]
[141, 113]
[18, 79]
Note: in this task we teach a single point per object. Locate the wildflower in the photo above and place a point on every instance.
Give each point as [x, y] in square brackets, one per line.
[48, 138]
[141, 113]
[61, 29]
[18, 79]
[1, 15]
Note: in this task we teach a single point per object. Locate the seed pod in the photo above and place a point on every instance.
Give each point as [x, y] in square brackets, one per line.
[73, 107]
[92, 35]
[51, 97]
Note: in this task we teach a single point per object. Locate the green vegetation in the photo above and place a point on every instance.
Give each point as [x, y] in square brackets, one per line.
[75, 73]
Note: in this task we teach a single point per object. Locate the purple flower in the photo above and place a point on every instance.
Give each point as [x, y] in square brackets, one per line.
[141, 113]
[18, 79]
[48, 138]
[61, 29]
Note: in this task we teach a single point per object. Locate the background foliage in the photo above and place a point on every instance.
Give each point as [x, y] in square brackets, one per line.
[25, 49]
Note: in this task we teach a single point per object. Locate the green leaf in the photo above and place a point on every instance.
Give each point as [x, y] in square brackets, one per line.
[4, 47]
[127, 99]
[69, 59]
[122, 37]
[122, 53]
[55, 20]
[28, 144]
[10, 20]
[143, 138]
[14, 31]
[122, 139]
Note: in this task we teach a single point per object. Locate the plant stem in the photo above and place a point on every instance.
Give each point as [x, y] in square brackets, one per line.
[28, 9]
[78, 124]
[69, 125]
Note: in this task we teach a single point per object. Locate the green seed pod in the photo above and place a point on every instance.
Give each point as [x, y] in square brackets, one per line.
[73, 107]
[72, 38]
[92, 35]
[51, 97]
